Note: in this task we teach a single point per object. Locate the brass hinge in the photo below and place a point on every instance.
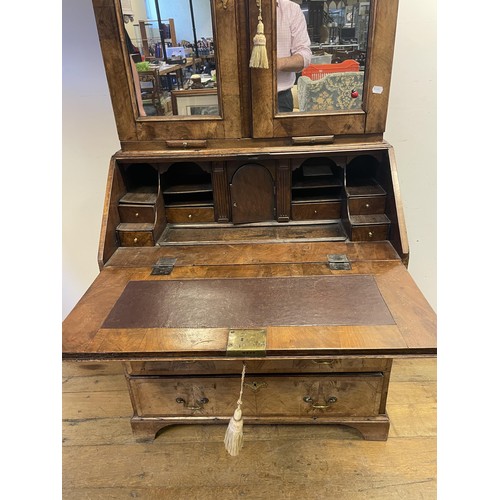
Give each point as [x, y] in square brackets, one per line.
[164, 266]
[339, 262]
[246, 342]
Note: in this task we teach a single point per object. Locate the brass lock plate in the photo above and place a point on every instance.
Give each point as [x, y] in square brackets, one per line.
[246, 342]
[339, 262]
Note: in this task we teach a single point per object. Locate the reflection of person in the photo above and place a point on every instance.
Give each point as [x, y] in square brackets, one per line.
[293, 50]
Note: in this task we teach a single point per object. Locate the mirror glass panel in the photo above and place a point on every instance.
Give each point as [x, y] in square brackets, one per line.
[331, 36]
[172, 56]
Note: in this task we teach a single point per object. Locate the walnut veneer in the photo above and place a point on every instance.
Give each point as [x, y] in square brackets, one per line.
[287, 223]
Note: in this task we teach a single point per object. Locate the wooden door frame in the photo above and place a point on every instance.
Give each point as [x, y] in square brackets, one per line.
[370, 119]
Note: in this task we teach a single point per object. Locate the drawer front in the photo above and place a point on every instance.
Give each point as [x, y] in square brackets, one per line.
[233, 367]
[136, 213]
[280, 396]
[316, 211]
[370, 233]
[362, 206]
[190, 214]
[136, 238]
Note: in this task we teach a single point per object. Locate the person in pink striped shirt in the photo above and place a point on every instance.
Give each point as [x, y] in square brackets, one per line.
[293, 50]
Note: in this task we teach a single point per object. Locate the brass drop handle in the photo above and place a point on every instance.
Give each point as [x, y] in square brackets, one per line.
[199, 406]
[329, 401]
[224, 4]
[322, 361]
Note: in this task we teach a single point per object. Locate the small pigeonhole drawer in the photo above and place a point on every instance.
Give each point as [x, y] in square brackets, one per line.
[135, 235]
[181, 215]
[373, 227]
[367, 205]
[136, 213]
[316, 211]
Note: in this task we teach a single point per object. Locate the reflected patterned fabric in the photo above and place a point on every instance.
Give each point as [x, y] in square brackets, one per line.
[331, 93]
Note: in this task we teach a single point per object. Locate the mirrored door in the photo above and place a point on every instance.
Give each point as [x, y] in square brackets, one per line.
[340, 86]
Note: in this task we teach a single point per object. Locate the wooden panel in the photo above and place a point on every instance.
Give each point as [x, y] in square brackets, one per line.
[252, 194]
[220, 186]
[263, 253]
[257, 234]
[115, 189]
[379, 64]
[263, 98]
[117, 66]
[415, 318]
[283, 182]
[227, 71]
[413, 334]
[341, 395]
[138, 343]
[394, 210]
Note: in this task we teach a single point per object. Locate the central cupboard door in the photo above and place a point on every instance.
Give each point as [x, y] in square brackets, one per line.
[252, 194]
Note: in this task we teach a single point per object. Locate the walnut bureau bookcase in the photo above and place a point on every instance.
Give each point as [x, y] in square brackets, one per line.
[251, 236]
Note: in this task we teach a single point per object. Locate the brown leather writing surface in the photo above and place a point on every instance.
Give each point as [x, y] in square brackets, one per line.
[250, 303]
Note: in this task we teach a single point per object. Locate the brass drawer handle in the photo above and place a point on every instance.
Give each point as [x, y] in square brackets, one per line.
[199, 405]
[322, 361]
[329, 402]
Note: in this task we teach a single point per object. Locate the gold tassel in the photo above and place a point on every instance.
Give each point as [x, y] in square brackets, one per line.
[258, 58]
[233, 440]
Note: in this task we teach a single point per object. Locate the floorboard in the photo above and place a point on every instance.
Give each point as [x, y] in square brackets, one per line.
[101, 459]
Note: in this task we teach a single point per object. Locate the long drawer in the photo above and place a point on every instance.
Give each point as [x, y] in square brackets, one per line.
[343, 395]
[263, 366]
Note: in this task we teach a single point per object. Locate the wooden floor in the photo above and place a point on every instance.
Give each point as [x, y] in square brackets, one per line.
[101, 459]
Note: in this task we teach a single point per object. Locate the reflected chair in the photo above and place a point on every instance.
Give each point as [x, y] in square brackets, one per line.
[151, 90]
[333, 92]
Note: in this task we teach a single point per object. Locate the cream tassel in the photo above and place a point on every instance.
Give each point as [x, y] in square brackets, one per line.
[233, 439]
[258, 58]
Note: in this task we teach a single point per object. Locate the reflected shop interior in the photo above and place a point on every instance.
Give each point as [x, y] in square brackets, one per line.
[173, 56]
